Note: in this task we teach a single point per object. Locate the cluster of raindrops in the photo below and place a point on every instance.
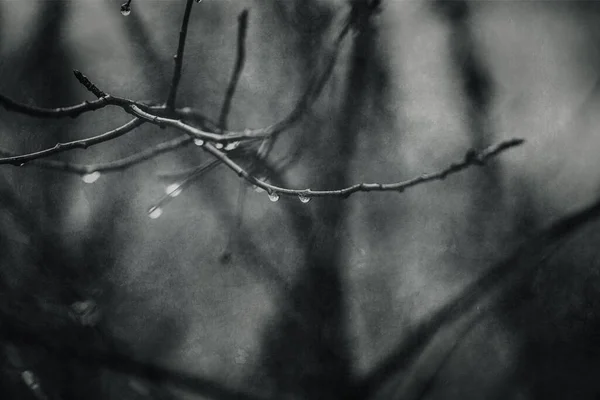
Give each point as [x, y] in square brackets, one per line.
[274, 196]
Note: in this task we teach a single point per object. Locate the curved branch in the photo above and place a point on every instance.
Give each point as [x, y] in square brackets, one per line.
[76, 144]
[111, 166]
[59, 112]
[471, 158]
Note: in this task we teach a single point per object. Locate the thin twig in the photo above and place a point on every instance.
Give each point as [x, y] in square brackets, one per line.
[194, 174]
[59, 112]
[84, 80]
[19, 160]
[471, 158]
[237, 69]
[179, 56]
[87, 106]
[111, 166]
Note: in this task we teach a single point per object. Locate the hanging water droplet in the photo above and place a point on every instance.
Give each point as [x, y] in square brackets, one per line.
[91, 177]
[199, 142]
[273, 196]
[219, 145]
[173, 189]
[125, 9]
[231, 146]
[155, 212]
[303, 199]
[29, 379]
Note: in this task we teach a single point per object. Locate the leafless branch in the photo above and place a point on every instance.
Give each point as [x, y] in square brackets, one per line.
[111, 166]
[88, 84]
[471, 158]
[187, 180]
[76, 144]
[237, 69]
[179, 56]
[495, 286]
[60, 112]
[14, 331]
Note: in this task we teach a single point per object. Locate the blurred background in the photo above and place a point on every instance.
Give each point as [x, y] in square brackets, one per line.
[236, 295]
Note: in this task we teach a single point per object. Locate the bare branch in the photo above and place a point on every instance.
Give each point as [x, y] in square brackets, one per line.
[471, 158]
[88, 84]
[496, 286]
[76, 144]
[60, 112]
[111, 166]
[179, 56]
[237, 69]
[194, 174]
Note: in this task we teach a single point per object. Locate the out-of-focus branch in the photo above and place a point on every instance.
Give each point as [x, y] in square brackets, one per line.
[76, 144]
[237, 69]
[14, 331]
[188, 178]
[179, 56]
[494, 288]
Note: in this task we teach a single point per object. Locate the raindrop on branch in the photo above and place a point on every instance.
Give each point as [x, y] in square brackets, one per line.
[303, 199]
[173, 190]
[273, 196]
[126, 9]
[91, 177]
[231, 146]
[198, 1]
[155, 212]
[219, 145]
[199, 142]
